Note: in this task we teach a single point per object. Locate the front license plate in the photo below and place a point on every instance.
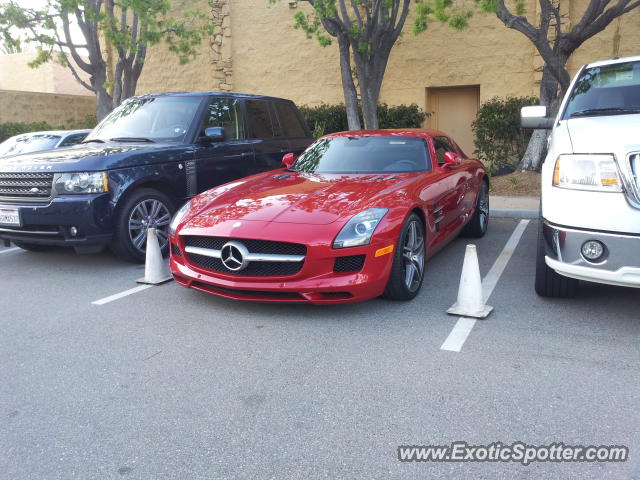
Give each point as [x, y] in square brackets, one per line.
[10, 216]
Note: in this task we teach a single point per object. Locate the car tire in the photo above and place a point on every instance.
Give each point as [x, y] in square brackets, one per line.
[477, 226]
[32, 247]
[142, 209]
[548, 282]
[409, 254]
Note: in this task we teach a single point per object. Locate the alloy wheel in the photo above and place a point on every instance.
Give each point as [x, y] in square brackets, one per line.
[483, 206]
[149, 213]
[413, 254]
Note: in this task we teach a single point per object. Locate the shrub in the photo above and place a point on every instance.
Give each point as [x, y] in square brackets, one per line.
[10, 129]
[499, 140]
[325, 118]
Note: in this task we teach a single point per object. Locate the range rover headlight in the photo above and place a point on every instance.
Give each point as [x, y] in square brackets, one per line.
[178, 217]
[82, 182]
[359, 230]
[587, 172]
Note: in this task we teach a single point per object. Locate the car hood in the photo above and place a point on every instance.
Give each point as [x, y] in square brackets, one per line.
[617, 134]
[296, 198]
[93, 157]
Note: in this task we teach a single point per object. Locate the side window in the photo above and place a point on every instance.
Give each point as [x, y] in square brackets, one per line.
[289, 121]
[72, 140]
[442, 145]
[259, 119]
[225, 112]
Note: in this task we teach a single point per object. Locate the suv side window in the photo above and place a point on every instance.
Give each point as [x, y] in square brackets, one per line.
[225, 112]
[259, 119]
[442, 145]
[289, 122]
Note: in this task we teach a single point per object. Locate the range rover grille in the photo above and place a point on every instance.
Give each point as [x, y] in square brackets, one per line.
[35, 186]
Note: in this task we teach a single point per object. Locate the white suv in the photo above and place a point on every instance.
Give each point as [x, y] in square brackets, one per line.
[590, 206]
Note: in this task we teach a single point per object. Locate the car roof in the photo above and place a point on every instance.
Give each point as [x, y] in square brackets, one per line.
[208, 94]
[613, 61]
[391, 132]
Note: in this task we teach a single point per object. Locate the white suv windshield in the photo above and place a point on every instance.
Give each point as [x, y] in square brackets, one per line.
[605, 90]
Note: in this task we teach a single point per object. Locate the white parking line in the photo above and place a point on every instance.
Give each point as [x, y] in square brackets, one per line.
[463, 326]
[10, 250]
[117, 296]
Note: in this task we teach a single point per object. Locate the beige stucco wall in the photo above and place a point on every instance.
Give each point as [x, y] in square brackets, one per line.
[270, 57]
[15, 74]
[55, 109]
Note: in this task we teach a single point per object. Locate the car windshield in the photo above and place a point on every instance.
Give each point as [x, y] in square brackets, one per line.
[148, 119]
[364, 154]
[28, 144]
[606, 90]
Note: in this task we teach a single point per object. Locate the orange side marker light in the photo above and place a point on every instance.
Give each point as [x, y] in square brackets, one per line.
[383, 251]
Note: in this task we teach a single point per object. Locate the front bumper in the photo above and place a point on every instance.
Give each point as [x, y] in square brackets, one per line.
[315, 283]
[50, 224]
[619, 265]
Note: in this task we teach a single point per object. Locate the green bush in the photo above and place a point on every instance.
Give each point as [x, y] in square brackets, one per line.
[10, 129]
[499, 140]
[325, 118]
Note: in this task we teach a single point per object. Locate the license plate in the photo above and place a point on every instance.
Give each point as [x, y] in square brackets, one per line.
[10, 216]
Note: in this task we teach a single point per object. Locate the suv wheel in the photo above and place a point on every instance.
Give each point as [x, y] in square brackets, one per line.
[144, 209]
[549, 283]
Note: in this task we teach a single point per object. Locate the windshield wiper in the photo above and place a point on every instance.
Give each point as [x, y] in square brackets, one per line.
[604, 111]
[132, 139]
[93, 140]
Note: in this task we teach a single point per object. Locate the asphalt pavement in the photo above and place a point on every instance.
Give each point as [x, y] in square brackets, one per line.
[170, 383]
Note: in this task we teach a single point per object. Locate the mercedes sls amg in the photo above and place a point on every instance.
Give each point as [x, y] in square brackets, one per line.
[354, 217]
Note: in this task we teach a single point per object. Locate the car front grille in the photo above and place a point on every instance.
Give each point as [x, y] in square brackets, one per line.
[634, 161]
[254, 268]
[25, 186]
[254, 246]
[633, 193]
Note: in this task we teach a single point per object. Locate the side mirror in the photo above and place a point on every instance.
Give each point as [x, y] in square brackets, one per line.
[535, 117]
[214, 134]
[451, 159]
[288, 160]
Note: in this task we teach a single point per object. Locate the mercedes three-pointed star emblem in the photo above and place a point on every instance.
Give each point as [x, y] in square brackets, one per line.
[234, 256]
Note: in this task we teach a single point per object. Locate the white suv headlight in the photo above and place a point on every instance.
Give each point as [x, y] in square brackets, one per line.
[587, 172]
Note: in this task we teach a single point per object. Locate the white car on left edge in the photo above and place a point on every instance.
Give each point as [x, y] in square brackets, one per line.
[40, 141]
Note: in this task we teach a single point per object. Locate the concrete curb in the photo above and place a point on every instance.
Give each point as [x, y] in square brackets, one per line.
[513, 213]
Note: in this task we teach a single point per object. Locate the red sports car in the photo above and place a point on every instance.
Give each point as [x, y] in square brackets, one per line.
[353, 218]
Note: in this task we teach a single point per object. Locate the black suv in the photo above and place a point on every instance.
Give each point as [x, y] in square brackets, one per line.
[138, 165]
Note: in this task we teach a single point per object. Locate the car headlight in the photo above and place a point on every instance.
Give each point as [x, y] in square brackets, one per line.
[178, 217]
[587, 172]
[360, 228]
[83, 182]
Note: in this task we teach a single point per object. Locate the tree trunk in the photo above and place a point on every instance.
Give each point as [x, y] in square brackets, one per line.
[537, 147]
[369, 107]
[348, 86]
[370, 82]
[104, 103]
